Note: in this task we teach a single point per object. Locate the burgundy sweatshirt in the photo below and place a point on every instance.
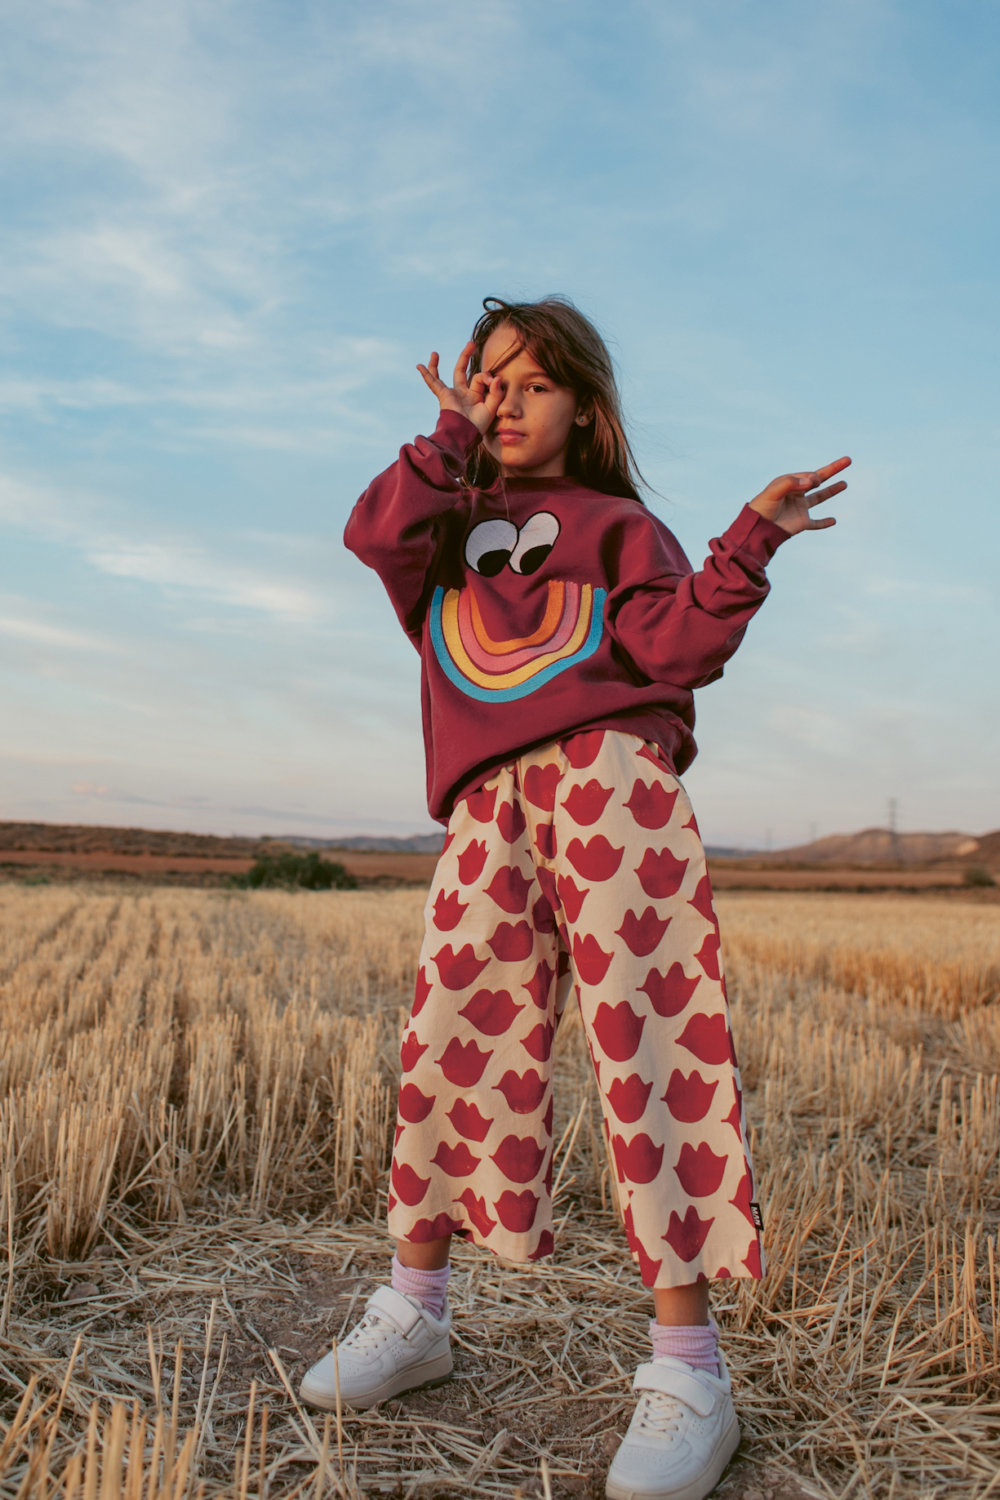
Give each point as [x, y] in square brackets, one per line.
[542, 608]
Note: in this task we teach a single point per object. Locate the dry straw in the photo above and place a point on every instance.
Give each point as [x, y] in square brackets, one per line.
[196, 1118]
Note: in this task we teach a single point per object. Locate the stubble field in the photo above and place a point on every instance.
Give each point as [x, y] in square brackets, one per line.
[197, 1108]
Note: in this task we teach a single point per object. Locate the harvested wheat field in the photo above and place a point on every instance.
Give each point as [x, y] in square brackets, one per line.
[198, 1108]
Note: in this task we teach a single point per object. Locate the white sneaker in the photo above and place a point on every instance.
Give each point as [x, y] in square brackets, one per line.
[397, 1345]
[681, 1437]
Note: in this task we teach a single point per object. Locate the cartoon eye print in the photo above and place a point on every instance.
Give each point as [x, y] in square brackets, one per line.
[535, 542]
[489, 545]
[492, 544]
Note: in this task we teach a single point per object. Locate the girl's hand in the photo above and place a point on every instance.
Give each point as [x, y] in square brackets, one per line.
[787, 501]
[478, 398]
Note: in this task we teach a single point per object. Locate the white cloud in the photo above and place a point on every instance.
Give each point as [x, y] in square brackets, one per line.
[189, 567]
[41, 633]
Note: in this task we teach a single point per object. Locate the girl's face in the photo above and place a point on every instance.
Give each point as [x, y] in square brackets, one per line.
[530, 434]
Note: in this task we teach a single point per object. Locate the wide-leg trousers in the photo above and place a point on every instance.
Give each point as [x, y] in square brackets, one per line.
[586, 851]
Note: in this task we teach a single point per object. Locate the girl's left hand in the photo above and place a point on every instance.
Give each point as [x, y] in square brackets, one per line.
[787, 501]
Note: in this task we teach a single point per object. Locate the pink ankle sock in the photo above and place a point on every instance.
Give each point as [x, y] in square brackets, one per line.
[698, 1345]
[429, 1288]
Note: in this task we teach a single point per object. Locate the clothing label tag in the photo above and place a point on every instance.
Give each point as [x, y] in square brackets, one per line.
[757, 1216]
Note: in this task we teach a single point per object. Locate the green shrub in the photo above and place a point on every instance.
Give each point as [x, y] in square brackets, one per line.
[298, 871]
[977, 875]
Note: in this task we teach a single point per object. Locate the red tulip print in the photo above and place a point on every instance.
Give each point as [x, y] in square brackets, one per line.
[457, 1161]
[669, 993]
[463, 1064]
[702, 900]
[581, 750]
[753, 1260]
[437, 1228]
[540, 786]
[543, 918]
[628, 1097]
[585, 804]
[618, 1030]
[689, 1097]
[699, 1169]
[597, 859]
[449, 910]
[545, 840]
[540, 984]
[661, 875]
[458, 970]
[651, 806]
[686, 1236]
[523, 1092]
[481, 803]
[509, 889]
[638, 1160]
[471, 862]
[519, 1158]
[413, 1105]
[589, 959]
[649, 1268]
[490, 1011]
[410, 1051]
[476, 1210]
[743, 1198]
[407, 1184]
[468, 1121]
[641, 934]
[571, 896]
[546, 1245]
[708, 1038]
[538, 1043]
[512, 941]
[516, 1211]
[510, 821]
[708, 955]
[421, 991]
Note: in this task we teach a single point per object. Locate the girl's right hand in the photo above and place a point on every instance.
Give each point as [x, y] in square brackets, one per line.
[478, 398]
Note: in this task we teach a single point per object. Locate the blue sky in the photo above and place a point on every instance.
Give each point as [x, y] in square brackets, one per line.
[230, 230]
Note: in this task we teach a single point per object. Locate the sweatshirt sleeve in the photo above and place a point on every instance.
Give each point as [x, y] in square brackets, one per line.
[680, 626]
[397, 526]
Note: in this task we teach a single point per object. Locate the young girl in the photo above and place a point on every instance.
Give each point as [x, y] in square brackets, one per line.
[562, 633]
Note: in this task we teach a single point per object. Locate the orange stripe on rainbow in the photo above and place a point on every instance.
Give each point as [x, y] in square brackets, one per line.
[513, 668]
[555, 612]
[493, 656]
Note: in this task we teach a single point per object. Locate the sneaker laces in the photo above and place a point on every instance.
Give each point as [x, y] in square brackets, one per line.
[371, 1333]
[657, 1415]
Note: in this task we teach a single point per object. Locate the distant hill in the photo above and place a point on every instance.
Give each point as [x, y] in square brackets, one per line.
[880, 846]
[939, 856]
[416, 843]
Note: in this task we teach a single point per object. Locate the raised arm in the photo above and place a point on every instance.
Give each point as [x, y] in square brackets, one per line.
[397, 525]
[681, 626]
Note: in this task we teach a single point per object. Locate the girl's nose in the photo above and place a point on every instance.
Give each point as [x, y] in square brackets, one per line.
[509, 405]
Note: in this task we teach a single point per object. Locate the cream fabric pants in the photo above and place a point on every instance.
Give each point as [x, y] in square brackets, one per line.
[585, 850]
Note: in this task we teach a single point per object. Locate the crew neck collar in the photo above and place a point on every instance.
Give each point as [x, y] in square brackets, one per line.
[545, 482]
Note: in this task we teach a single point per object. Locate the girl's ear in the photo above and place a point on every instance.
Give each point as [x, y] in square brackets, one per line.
[584, 416]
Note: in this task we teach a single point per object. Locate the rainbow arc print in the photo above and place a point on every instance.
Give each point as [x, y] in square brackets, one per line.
[503, 671]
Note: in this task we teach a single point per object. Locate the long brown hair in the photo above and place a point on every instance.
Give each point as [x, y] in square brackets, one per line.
[572, 353]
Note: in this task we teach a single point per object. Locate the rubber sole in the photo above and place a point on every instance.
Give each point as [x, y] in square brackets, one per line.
[696, 1489]
[415, 1377]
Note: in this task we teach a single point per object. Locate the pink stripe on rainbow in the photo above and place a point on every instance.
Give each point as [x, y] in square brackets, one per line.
[491, 657]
